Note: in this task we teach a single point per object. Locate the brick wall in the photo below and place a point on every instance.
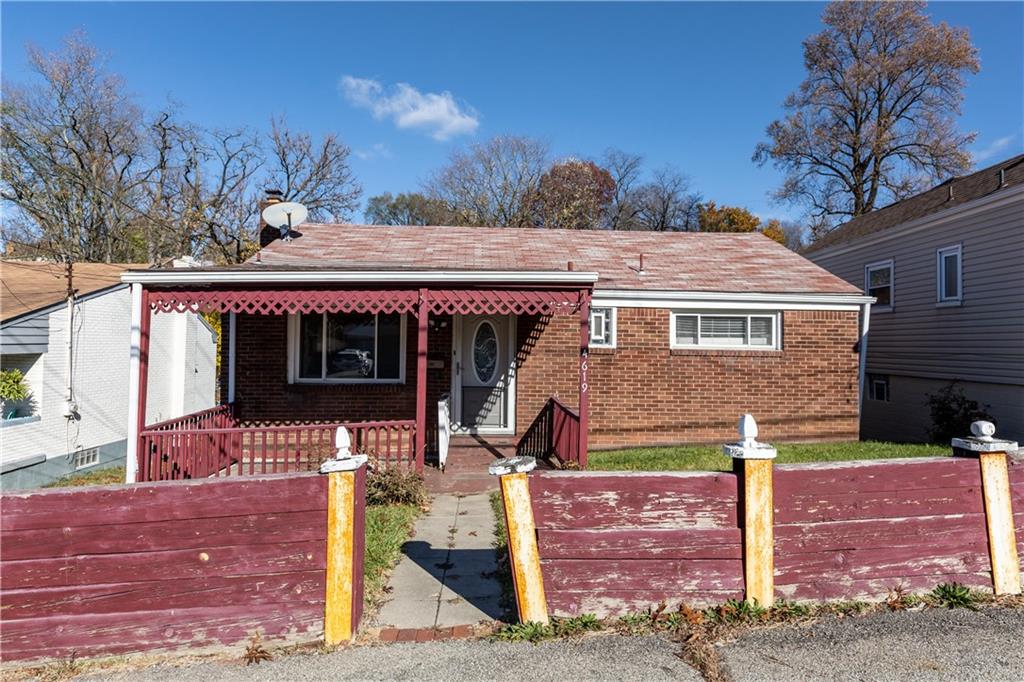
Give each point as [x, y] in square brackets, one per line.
[642, 392]
[645, 393]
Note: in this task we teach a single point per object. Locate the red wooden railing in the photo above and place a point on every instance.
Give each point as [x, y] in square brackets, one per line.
[185, 448]
[554, 433]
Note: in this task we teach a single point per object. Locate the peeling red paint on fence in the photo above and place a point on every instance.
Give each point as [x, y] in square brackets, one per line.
[617, 542]
[162, 565]
[848, 530]
[1016, 473]
[611, 543]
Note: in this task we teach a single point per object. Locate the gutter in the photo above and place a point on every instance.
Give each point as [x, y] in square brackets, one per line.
[253, 276]
[862, 361]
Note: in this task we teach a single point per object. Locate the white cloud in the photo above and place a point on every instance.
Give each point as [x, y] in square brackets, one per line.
[436, 113]
[995, 148]
[377, 151]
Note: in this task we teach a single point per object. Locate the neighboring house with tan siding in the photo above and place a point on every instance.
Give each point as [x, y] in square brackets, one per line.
[947, 268]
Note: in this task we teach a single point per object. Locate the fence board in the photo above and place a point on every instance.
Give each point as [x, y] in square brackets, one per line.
[650, 500]
[641, 543]
[879, 533]
[288, 589]
[104, 570]
[575, 602]
[100, 505]
[152, 536]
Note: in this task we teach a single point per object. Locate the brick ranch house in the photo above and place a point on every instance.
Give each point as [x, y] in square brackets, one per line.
[574, 339]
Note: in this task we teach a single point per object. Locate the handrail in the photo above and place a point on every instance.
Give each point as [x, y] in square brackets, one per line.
[554, 432]
[226, 409]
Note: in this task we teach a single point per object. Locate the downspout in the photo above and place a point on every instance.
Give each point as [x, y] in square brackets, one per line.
[70, 408]
[865, 324]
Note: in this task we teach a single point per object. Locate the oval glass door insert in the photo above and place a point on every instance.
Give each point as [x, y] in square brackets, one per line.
[485, 352]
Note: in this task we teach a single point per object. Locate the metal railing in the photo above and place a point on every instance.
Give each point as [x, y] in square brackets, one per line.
[555, 432]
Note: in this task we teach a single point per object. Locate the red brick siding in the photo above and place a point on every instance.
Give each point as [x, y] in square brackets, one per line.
[645, 393]
[642, 392]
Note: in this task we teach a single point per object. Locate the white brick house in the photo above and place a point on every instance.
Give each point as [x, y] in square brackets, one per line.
[38, 442]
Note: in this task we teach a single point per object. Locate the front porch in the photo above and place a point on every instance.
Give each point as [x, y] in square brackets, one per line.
[403, 369]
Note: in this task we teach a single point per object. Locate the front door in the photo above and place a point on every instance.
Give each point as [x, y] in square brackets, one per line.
[483, 373]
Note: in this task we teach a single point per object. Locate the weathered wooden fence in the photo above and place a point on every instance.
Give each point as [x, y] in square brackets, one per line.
[175, 564]
[612, 543]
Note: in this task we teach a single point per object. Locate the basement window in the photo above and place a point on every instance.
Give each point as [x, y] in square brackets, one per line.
[725, 331]
[353, 348]
[87, 458]
[878, 387]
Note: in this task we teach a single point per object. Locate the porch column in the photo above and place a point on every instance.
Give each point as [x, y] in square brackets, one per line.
[138, 379]
[422, 313]
[584, 370]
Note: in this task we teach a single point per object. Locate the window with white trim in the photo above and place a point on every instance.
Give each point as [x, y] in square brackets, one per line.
[602, 327]
[949, 281]
[87, 458]
[755, 331]
[879, 282]
[357, 348]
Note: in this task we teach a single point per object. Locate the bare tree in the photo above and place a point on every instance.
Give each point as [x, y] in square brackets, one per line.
[74, 157]
[625, 169]
[315, 174]
[874, 121]
[491, 183]
[666, 203]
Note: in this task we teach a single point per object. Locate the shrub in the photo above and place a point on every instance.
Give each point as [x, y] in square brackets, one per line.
[955, 595]
[395, 486]
[12, 385]
[952, 413]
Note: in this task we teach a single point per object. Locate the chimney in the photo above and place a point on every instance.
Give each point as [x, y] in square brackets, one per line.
[268, 233]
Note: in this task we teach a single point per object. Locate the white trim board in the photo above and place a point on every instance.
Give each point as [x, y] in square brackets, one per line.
[631, 298]
[252, 274]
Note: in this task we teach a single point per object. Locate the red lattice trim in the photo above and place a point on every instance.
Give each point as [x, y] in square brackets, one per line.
[503, 301]
[442, 301]
[282, 302]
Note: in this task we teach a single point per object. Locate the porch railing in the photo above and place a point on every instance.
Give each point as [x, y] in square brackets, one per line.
[555, 432]
[181, 449]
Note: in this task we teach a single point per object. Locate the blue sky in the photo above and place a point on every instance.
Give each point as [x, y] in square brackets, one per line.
[689, 84]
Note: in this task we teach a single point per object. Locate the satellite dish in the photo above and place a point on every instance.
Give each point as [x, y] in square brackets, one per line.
[285, 216]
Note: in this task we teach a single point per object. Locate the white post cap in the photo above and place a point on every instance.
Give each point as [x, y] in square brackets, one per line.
[343, 460]
[748, 447]
[983, 440]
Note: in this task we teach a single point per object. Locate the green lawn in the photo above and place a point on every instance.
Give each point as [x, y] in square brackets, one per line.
[710, 458]
[387, 528]
[108, 476]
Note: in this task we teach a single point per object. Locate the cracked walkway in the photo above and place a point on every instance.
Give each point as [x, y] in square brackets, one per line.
[446, 576]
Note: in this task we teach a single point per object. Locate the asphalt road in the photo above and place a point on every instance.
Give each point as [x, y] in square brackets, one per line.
[926, 645]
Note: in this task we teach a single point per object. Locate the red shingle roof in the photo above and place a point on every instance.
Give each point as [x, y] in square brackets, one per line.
[673, 261]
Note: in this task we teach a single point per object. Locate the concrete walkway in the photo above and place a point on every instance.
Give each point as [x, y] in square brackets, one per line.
[446, 574]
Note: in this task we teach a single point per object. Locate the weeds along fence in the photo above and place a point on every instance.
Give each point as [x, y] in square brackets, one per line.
[176, 564]
[610, 543]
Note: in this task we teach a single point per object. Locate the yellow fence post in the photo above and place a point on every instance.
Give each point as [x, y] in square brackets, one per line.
[523, 553]
[995, 485]
[339, 606]
[753, 462]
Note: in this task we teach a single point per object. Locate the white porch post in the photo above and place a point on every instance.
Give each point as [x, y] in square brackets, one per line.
[135, 345]
[865, 325]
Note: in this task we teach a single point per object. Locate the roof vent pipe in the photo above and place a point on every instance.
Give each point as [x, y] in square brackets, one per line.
[570, 266]
[1002, 177]
[950, 198]
[641, 270]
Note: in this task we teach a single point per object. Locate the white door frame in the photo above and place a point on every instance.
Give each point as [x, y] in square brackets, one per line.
[456, 384]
